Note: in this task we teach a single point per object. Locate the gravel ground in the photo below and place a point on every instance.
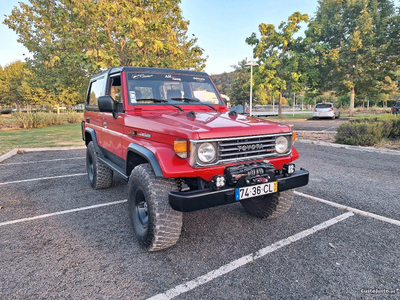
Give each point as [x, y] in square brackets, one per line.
[92, 254]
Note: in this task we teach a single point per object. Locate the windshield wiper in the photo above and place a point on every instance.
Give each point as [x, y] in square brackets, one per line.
[184, 99]
[159, 101]
[152, 99]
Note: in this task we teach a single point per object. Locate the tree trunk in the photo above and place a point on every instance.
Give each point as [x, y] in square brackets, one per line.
[280, 105]
[352, 102]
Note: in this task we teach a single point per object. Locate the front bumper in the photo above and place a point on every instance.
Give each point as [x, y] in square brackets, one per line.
[201, 199]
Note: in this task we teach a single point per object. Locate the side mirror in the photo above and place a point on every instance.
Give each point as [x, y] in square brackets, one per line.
[106, 104]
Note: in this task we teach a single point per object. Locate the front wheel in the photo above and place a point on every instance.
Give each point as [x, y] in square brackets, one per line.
[156, 225]
[269, 206]
[99, 174]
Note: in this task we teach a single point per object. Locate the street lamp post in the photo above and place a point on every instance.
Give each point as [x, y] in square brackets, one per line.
[251, 65]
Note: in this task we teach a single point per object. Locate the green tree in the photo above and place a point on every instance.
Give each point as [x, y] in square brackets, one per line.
[239, 92]
[276, 54]
[223, 81]
[2, 87]
[357, 44]
[70, 38]
[11, 78]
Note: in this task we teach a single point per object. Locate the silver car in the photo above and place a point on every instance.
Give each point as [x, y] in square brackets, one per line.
[325, 110]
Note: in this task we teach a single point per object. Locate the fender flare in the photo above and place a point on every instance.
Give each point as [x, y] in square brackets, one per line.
[148, 155]
[94, 140]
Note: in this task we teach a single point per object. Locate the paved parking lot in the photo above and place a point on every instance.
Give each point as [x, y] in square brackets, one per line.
[61, 239]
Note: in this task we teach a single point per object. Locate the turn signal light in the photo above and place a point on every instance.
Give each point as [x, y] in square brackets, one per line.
[180, 148]
[294, 136]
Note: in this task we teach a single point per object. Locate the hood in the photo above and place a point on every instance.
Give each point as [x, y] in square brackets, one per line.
[208, 125]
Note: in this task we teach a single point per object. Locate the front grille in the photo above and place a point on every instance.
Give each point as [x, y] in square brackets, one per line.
[246, 147]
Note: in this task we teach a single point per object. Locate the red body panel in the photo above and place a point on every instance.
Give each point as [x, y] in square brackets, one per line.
[160, 125]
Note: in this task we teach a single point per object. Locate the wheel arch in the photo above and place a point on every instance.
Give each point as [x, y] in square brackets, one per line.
[137, 155]
[90, 136]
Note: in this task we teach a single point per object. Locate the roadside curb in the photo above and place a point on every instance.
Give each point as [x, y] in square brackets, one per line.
[349, 147]
[315, 131]
[9, 154]
[23, 150]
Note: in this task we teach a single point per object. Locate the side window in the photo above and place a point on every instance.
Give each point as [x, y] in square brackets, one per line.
[115, 90]
[96, 90]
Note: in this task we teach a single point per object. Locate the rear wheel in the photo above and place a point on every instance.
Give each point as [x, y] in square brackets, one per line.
[99, 174]
[270, 206]
[156, 225]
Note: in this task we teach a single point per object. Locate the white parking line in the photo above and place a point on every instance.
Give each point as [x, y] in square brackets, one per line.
[354, 210]
[42, 178]
[40, 161]
[61, 212]
[190, 285]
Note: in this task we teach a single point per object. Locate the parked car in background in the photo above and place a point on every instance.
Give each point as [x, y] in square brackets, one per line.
[396, 108]
[325, 110]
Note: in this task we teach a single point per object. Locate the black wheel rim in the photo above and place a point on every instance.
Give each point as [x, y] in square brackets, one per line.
[141, 209]
[90, 167]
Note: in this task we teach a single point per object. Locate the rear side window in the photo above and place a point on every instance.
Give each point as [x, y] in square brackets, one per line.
[115, 90]
[96, 90]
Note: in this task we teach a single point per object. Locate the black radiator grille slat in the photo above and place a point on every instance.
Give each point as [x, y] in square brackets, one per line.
[244, 147]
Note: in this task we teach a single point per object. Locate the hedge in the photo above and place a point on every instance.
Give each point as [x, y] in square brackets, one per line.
[368, 131]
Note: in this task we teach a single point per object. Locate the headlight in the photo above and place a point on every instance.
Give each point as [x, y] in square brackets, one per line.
[281, 144]
[206, 152]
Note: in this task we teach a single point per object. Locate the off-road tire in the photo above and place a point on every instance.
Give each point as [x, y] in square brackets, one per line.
[270, 206]
[99, 174]
[156, 225]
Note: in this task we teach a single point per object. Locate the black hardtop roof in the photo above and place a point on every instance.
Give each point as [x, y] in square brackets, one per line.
[114, 70]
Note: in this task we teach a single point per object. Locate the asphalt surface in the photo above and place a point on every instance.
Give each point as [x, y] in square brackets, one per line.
[92, 254]
[316, 125]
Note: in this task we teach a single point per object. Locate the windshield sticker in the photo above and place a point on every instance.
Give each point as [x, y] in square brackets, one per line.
[199, 79]
[173, 77]
[132, 94]
[139, 76]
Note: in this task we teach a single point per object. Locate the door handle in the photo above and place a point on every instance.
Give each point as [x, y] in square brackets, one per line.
[105, 124]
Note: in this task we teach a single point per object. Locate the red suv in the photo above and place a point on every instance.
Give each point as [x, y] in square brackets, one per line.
[170, 135]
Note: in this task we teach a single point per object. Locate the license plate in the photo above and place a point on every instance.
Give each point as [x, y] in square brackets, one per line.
[256, 190]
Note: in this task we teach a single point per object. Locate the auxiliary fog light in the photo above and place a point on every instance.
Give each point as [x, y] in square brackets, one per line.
[219, 181]
[288, 169]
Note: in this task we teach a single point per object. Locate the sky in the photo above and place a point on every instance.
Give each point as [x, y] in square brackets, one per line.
[221, 27]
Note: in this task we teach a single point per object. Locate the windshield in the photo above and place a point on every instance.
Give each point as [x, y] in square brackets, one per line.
[175, 89]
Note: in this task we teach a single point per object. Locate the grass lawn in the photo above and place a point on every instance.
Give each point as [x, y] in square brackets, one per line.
[54, 136]
[290, 116]
[309, 116]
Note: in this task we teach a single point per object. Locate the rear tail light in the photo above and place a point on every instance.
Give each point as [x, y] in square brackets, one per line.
[393, 108]
[315, 109]
[331, 109]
